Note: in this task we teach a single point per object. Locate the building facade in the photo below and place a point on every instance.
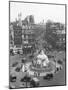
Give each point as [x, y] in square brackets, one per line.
[23, 34]
[28, 39]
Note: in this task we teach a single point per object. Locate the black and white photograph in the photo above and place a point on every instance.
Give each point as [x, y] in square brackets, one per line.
[37, 44]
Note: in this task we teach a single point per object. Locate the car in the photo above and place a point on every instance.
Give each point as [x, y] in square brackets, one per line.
[50, 56]
[18, 52]
[34, 82]
[26, 79]
[23, 60]
[14, 64]
[18, 68]
[48, 76]
[31, 56]
[11, 52]
[60, 62]
[12, 78]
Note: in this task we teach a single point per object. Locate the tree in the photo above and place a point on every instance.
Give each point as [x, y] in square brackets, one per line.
[50, 35]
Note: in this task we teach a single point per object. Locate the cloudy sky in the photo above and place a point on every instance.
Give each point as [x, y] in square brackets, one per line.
[40, 11]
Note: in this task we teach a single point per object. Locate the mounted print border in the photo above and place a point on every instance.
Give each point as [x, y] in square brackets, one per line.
[37, 44]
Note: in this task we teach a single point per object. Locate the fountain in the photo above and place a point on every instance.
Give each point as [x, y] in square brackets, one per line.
[40, 65]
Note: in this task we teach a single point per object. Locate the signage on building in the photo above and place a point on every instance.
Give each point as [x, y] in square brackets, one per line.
[17, 35]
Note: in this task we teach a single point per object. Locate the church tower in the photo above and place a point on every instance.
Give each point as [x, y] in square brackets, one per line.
[19, 19]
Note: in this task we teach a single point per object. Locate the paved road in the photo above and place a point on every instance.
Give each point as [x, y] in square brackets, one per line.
[59, 78]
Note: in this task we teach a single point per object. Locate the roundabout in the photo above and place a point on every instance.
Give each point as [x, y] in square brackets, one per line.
[40, 66]
[34, 71]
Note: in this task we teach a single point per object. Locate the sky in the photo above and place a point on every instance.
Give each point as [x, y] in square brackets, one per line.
[40, 11]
